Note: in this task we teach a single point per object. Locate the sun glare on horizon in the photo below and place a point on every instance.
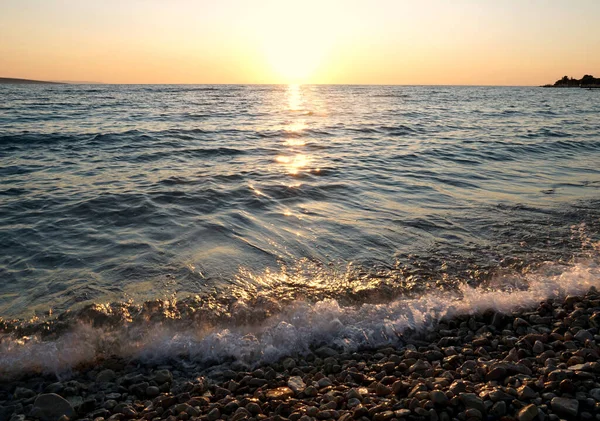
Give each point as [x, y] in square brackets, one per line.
[293, 60]
[299, 42]
[295, 43]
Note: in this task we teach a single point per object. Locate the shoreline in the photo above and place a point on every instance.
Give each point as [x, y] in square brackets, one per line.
[537, 364]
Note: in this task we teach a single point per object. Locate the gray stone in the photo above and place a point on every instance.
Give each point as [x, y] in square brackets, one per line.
[163, 376]
[496, 373]
[312, 411]
[473, 413]
[528, 413]
[75, 401]
[126, 410]
[402, 413]
[214, 414]
[457, 387]
[23, 393]
[311, 391]
[421, 411]
[420, 365]
[50, 407]
[419, 387]
[152, 391]
[518, 322]
[253, 408]
[106, 376]
[519, 369]
[595, 393]
[296, 384]
[565, 406]
[353, 393]
[499, 395]
[324, 382]
[438, 397]
[325, 352]
[289, 363]
[382, 390]
[498, 409]
[470, 400]
[584, 335]
[54, 388]
[538, 347]
[383, 416]
[559, 375]
[526, 393]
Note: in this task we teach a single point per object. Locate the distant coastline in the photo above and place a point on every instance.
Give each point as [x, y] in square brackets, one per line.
[15, 81]
[586, 82]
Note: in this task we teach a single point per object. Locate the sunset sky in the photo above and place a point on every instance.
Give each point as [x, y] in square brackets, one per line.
[473, 42]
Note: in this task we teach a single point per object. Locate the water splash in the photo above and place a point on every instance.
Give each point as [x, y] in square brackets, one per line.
[292, 329]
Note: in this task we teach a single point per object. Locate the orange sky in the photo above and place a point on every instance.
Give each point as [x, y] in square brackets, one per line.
[501, 42]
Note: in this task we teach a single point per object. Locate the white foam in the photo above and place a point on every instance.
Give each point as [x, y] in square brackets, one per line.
[295, 328]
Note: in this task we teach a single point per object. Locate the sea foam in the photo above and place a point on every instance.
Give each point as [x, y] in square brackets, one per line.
[294, 330]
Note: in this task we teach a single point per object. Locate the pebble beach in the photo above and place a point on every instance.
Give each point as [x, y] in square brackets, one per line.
[533, 364]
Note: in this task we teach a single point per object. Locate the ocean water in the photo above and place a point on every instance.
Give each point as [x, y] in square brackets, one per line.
[248, 222]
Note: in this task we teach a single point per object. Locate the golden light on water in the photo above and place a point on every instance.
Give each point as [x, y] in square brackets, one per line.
[296, 126]
[294, 163]
[295, 159]
[255, 190]
[295, 142]
[295, 99]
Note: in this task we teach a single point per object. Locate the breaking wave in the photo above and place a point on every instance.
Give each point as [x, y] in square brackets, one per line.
[265, 330]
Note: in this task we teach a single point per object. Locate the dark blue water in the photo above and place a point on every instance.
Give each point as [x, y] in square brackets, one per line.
[233, 194]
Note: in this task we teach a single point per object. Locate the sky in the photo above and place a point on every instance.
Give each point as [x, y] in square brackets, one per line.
[431, 42]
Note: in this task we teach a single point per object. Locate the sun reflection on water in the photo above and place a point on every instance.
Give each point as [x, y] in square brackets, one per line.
[294, 163]
[296, 126]
[294, 158]
[295, 100]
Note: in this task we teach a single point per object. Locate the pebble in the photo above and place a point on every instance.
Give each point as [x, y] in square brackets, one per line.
[539, 368]
[438, 397]
[106, 376]
[470, 400]
[382, 390]
[498, 409]
[565, 406]
[311, 391]
[528, 413]
[538, 347]
[496, 373]
[163, 376]
[324, 382]
[296, 384]
[526, 393]
[253, 408]
[280, 393]
[213, 414]
[50, 407]
[473, 413]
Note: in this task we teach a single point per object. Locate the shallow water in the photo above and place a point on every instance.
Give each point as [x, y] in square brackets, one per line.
[229, 195]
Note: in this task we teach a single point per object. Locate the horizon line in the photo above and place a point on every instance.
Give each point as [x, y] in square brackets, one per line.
[63, 82]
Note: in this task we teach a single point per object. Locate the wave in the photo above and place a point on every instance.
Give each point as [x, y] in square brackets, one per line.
[266, 330]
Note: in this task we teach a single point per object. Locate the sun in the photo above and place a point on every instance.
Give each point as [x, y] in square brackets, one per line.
[293, 58]
[295, 42]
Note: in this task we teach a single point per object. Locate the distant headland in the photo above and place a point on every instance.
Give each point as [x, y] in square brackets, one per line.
[588, 81]
[10, 80]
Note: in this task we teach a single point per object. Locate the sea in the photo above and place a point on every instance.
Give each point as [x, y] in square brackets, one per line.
[215, 223]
